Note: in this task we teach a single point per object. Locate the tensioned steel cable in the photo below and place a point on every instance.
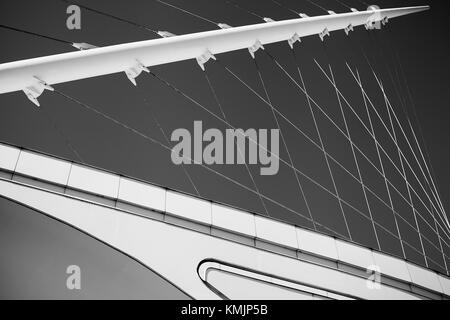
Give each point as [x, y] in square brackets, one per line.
[372, 130]
[409, 144]
[388, 107]
[363, 3]
[42, 109]
[64, 137]
[347, 130]
[391, 204]
[413, 152]
[36, 34]
[413, 107]
[117, 122]
[342, 3]
[166, 138]
[387, 155]
[357, 164]
[399, 193]
[137, 132]
[300, 186]
[362, 122]
[216, 98]
[227, 123]
[419, 230]
[122, 20]
[331, 193]
[285, 7]
[395, 87]
[117, 18]
[317, 5]
[337, 162]
[388, 104]
[234, 4]
[380, 146]
[259, 16]
[281, 205]
[187, 12]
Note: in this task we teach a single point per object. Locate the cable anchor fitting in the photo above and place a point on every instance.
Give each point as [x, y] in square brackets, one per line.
[204, 58]
[324, 33]
[35, 90]
[295, 38]
[135, 71]
[255, 47]
[348, 29]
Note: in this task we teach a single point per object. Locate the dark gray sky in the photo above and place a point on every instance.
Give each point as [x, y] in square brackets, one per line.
[419, 40]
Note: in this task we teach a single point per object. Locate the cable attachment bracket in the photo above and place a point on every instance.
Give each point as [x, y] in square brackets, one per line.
[268, 19]
[83, 46]
[324, 33]
[134, 72]
[295, 38]
[204, 58]
[255, 47]
[35, 90]
[348, 29]
[166, 34]
[224, 26]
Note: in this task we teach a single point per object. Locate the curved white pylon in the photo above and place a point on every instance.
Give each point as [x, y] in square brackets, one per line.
[22, 75]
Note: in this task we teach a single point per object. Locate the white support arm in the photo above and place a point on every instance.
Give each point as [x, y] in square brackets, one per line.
[60, 68]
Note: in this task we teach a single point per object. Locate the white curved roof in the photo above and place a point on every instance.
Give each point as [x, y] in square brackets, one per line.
[27, 168]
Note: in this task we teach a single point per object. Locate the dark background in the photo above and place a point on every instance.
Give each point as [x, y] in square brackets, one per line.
[419, 41]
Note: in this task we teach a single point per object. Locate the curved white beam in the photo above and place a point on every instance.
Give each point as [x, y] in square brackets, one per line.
[30, 75]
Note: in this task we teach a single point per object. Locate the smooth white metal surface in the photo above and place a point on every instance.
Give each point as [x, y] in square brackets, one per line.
[392, 266]
[276, 232]
[94, 181]
[60, 68]
[424, 278]
[8, 157]
[445, 283]
[142, 194]
[88, 181]
[163, 247]
[234, 220]
[317, 244]
[188, 207]
[43, 168]
[354, 255]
